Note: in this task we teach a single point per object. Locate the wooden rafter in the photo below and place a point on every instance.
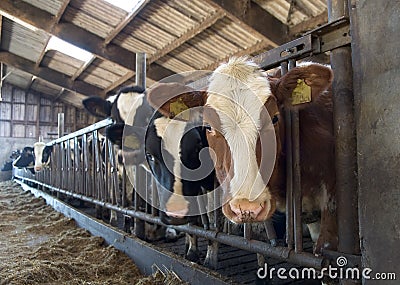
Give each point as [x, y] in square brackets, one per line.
[41, 56]
[247, 51]
[60, 12]
[257, 19]
[188, 35]
[82, 68]
[309, 24]
[298, 5]
[120, 81]
[124, 22]
[48, 74]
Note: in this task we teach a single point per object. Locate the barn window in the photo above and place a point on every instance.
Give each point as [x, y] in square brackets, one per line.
[127, 5]
[69, 49]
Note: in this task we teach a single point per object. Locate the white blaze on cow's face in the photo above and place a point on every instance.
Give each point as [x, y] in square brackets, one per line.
[38, 151]
[127, 105]
[236, 95]
[171, 133]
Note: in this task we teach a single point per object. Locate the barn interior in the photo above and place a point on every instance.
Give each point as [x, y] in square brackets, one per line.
[54, 54]
[41, 77]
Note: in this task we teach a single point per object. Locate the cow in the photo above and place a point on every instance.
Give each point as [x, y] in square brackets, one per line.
[128, 107]
[246, 135]
[25, 159]
[131, 113]
[42, 153]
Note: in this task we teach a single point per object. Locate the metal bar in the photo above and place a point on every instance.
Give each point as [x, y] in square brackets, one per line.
[345, 141]
[60, 125]
[139, 202]
[95, 126]
[290, 50]
[289, 171]
[69, 166]
[298, 228]
[141, 69]
[77, 161]
[85, 168]
[281, 253]
[270, 230]
[330, 36]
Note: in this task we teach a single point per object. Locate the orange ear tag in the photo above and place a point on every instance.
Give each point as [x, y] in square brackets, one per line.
[302, 93]
[176, 108]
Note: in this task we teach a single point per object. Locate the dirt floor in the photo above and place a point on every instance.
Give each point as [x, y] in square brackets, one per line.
[40, 246]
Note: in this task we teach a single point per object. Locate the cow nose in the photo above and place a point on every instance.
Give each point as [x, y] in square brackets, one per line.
[245, 210]
[38, 168]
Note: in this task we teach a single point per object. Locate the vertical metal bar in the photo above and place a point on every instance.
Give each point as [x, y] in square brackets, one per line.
[247, 231]
[114, 174]
[141, 69]
[139, 186]
[77, 180]
[289, 171]
[110, 194]
[85, 166]
[60, 124]
[298, 228]
[69, 166]
[345, 140]
[123, 194]
[270, 230]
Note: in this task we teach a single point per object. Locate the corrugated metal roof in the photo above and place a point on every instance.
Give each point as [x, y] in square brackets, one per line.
[178, 35]
[302, 9]
[22, 41]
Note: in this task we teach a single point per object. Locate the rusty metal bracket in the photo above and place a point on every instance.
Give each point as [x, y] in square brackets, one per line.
[325, 38]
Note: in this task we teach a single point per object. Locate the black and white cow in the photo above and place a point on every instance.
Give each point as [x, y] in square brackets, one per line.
[42, 153]
[176, 152]
[25, 159]
[128, 107]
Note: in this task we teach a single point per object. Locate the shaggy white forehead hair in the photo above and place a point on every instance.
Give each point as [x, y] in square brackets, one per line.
[238, 91]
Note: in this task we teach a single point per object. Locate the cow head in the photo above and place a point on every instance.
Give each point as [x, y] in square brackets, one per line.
[176, 152]
[246, 130]
[42, 153]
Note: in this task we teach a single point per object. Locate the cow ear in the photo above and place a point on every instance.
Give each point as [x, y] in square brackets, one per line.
[97, 106]
[170, 99]
[114, 133]
[48, 149]
[301, 85]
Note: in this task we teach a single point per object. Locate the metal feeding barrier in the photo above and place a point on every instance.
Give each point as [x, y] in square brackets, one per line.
[84, 167]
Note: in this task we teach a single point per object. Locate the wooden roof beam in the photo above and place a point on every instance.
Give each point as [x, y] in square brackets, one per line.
[120, 81]
[124, 22]
[257, 18]
[49, 75]
[188, 35]
[308, 25]
[77, 36]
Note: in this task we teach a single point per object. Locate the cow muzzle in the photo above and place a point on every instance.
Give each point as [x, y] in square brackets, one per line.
[245, 211]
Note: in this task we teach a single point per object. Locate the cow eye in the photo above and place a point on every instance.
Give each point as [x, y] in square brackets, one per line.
[275, 119]
[150, 157]
[209, 129]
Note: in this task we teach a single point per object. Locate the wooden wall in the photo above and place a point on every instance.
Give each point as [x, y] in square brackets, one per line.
[30, 115]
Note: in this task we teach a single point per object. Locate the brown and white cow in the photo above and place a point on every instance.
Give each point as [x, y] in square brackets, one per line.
[243, 115]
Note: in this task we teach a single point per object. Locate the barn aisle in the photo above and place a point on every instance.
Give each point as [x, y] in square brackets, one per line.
[41, 246]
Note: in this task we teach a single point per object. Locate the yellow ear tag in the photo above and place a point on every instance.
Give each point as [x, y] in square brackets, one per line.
[302, 93]
[178, 107]
[131, 142]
